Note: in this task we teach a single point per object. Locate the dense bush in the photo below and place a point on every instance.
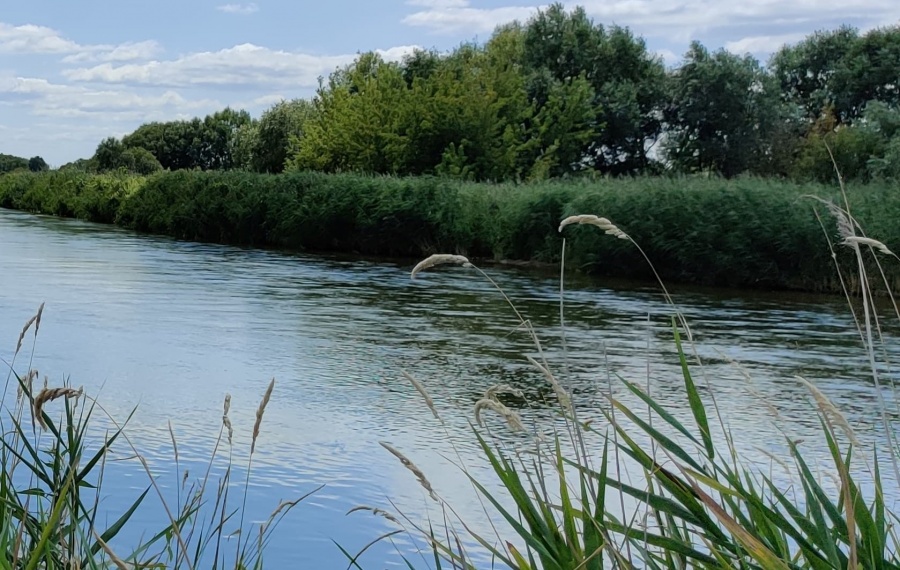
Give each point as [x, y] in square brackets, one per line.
[746, 232]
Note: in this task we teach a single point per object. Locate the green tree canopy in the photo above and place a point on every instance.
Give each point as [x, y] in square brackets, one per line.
[722, 109]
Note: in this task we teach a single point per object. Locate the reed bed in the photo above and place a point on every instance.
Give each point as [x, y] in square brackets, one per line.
[752, 233]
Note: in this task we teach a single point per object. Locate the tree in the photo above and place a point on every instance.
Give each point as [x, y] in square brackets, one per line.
[806, 71]
[628, 83]
[37, 164]
[277, 127]
[108, 155]
[9, 163]
[721, 113]
[112, 155]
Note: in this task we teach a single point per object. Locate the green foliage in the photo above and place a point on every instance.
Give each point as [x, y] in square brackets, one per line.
[9, 163]
[37, 164]
[280, 128]
[722, 111]
[627, 83]
[773, 238]
[205, 144]
[841, 69]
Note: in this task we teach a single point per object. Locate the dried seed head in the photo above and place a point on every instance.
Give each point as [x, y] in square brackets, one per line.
[27, 380]
[375, 511]
[829, 410]
[512, 418]
[561, 394]
[498, 389]
[259, 414]
[226, 421]
[439, 259]
[421, 389]
[412, 467]
[844, 225]
[590, 219]
[50, 394]
[37, 319]
[853, 241]
[27, 326]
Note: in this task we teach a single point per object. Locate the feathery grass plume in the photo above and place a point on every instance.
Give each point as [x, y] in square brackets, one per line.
[226, 421]
[375, 511]
[498, 389]
[48, 395]
[27, 326]
[439, 259]
[512, 418]
[27, 380]
[37, 319]
[259, 414]
[561, 394]
[829, 410]
[421, 389]
[412, 467]
[590, 219]
[852, 241]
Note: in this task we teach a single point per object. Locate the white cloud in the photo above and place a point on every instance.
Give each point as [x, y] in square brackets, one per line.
[458, 16]
[676, 20]
[238, 8]
[241, 65]
[762, 44]
[129, 51]
[30, 39]
[53, 99]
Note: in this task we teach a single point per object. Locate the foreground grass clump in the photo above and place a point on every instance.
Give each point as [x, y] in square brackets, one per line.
[738, 233]
[51, 488]
[692, 500]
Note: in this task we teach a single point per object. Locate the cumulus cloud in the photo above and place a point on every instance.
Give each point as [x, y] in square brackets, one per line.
[30, 39]
[762, 44]
[46, 98]
[241, 65]
[129, 51]
[244, 9]
[675, 20]
[455, 16]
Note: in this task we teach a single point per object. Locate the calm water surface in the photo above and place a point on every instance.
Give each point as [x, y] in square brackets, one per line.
[171, 327]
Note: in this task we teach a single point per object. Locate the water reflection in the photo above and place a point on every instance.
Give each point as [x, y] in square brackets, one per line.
[171, 327]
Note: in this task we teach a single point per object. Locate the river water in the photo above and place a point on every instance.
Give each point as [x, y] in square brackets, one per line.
[170, 327]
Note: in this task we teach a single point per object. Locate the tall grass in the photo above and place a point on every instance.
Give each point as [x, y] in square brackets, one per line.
[52, 485]
[751, 233]
[648, 490]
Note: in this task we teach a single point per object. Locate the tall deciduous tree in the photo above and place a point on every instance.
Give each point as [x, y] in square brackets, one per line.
[628, 83]
[277, 127]
[722, 110]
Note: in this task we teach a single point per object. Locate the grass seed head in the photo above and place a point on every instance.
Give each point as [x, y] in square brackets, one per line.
[590, 219]
[439, 259]
[412, 467]
[421, 389]
[512, 418]
[259, 414]
[48, 395]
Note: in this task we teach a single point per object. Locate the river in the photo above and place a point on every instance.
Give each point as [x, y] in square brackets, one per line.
[171, 327]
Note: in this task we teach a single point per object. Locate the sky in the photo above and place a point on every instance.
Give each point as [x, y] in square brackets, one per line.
[73, 73]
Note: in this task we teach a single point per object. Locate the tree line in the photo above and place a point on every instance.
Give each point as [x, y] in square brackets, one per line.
[563, 96]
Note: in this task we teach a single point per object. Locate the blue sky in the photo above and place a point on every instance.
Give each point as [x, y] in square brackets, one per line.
[72, 73]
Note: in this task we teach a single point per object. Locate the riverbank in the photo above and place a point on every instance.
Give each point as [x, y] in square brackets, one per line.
[747, 233]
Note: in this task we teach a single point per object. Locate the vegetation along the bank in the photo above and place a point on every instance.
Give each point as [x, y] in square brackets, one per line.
[745, 232]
